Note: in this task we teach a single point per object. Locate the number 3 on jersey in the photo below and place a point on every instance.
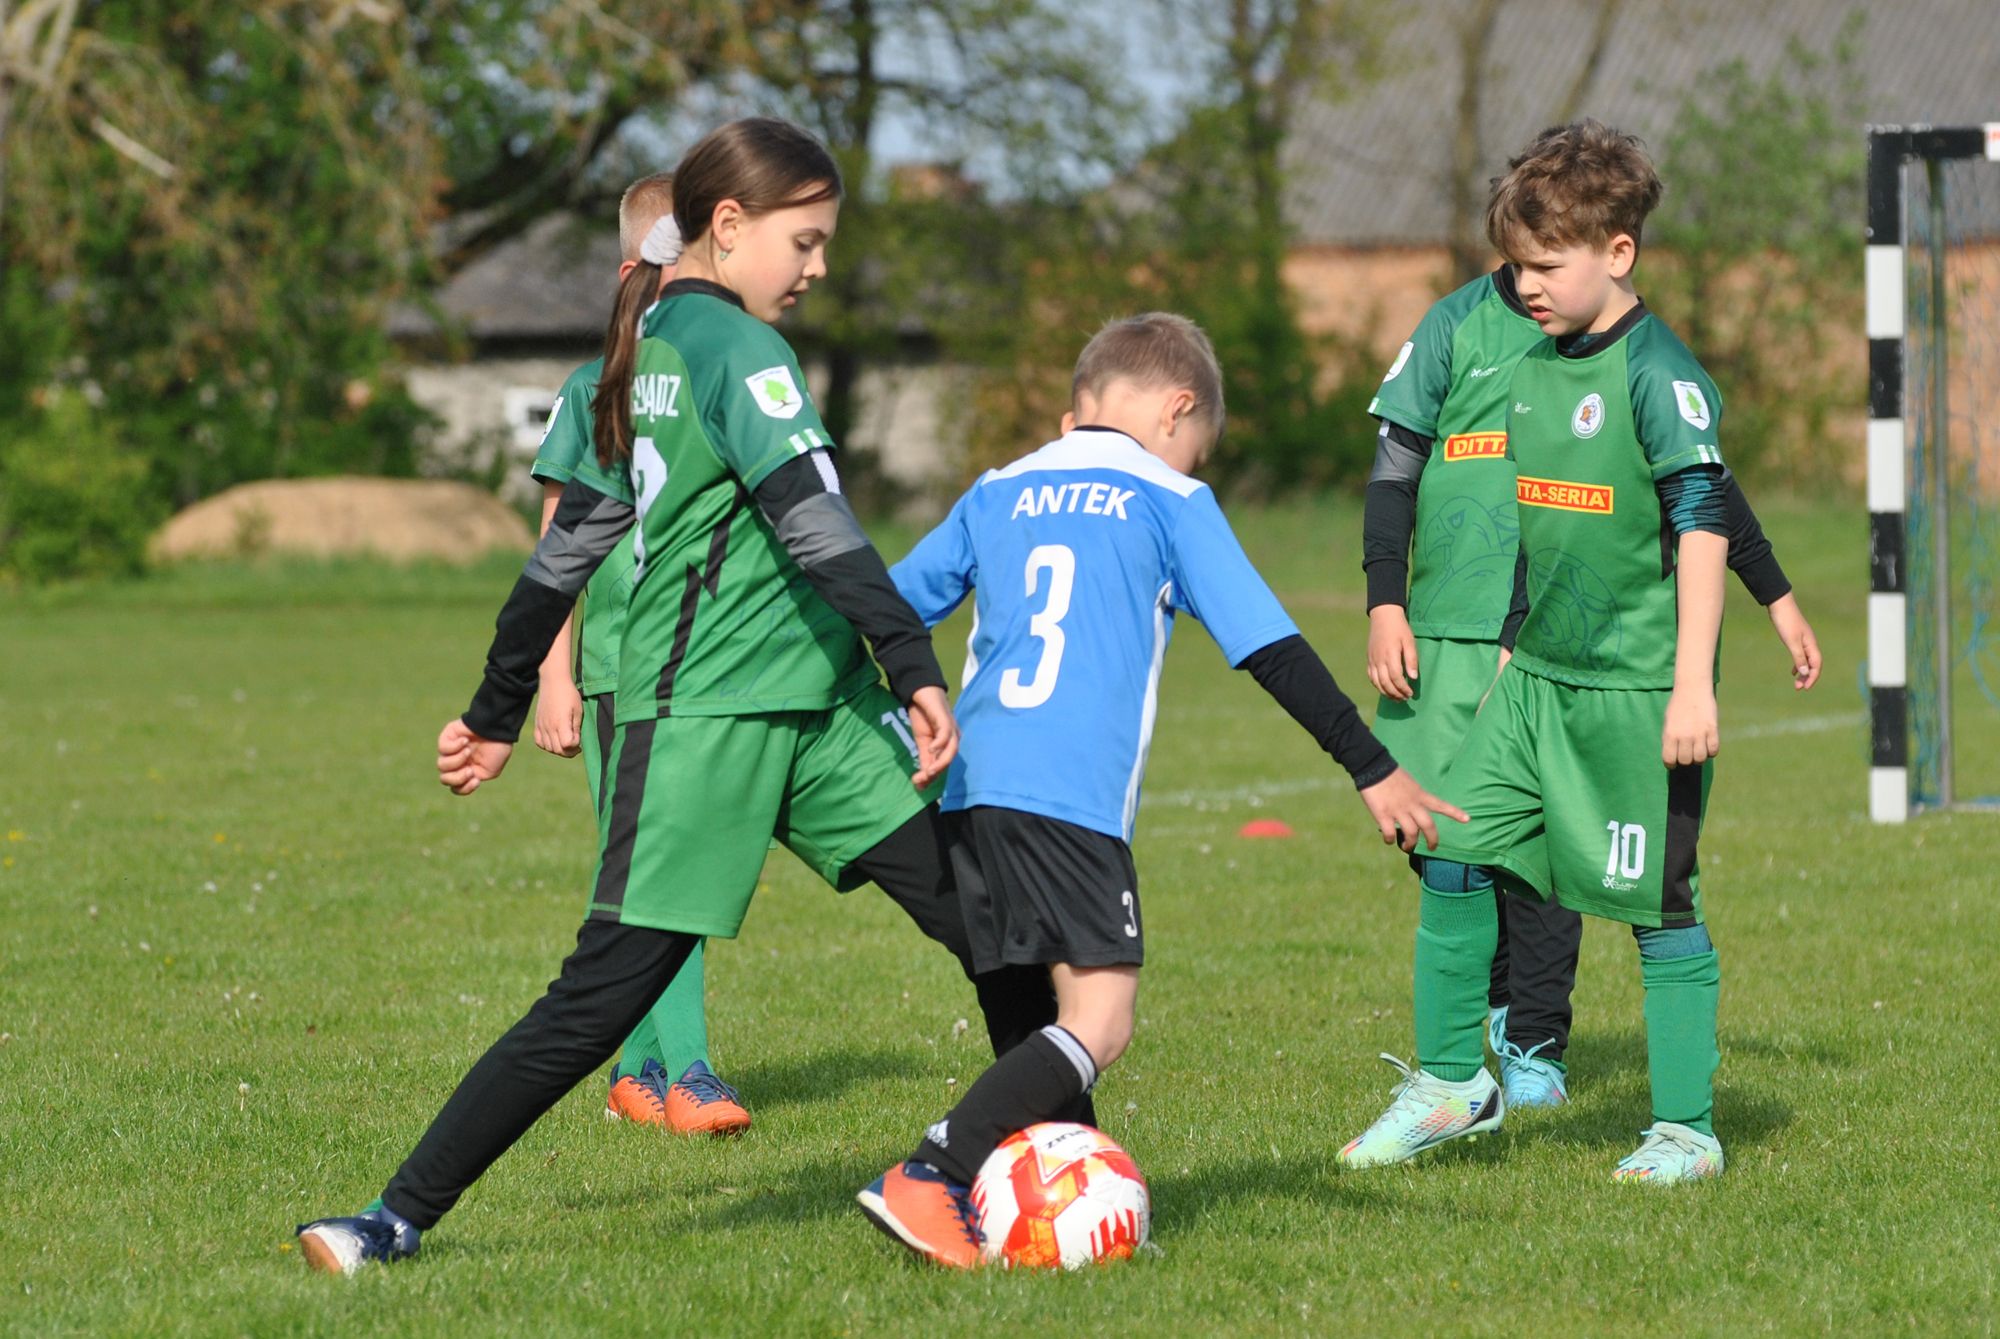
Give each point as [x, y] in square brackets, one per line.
[1060, 563]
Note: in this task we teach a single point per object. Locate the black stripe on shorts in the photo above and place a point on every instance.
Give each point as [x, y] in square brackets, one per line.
[607, 900]
[1683, 829]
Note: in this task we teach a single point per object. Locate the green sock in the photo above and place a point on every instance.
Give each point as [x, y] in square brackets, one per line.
[675, 1031]
[1457, 934]
[1681, 1054]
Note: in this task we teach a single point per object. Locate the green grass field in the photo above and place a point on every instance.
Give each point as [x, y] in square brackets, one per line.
[249, 944]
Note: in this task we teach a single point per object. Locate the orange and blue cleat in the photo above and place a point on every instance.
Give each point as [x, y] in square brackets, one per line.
[927, 1211]
[696, 1103]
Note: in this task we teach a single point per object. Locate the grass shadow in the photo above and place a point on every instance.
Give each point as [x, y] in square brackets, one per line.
[818, 1077]
[1604, 1054]
[1746, 1115]
[1182, 1198]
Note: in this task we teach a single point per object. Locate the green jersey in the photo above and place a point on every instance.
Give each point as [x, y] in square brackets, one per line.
[1449, 383]
[1591, 432]
[721, 622]
[566, 442]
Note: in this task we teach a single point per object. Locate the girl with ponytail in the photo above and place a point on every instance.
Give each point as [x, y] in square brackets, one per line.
[748, 706]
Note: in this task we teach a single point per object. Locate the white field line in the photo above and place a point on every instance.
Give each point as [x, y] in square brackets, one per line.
[1255, 796]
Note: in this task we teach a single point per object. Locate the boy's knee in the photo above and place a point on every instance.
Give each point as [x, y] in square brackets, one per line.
[1687, 941]
[1104, 1035]
[1448, 876]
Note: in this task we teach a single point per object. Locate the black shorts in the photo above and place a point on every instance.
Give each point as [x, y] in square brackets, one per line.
[1039, 890]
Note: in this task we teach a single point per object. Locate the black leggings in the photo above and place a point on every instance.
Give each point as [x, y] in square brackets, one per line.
[616, 974]
[1534, 971]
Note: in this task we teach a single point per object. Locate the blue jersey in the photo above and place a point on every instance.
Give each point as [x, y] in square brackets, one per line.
[1081, 554]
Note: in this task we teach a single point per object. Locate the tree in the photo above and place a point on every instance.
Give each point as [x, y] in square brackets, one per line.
[1473, 160]
[1757, 256]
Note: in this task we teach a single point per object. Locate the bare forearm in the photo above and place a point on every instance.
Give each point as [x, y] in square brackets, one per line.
[1704, 560]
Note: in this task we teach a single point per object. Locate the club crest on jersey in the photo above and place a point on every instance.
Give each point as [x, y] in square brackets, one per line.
[1475, 446]
[775, 392]
[1692, 403]
[550, 426]
[1588, 419]
[1396, 368]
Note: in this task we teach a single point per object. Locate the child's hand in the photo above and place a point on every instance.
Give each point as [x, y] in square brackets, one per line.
[1392, 652]
[1797, 635]
[936, 732]
[466, 760]
[1691, 735]
[559, 716]
[1402, 809]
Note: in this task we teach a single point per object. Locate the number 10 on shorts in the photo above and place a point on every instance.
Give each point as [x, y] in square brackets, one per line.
[1627, 858]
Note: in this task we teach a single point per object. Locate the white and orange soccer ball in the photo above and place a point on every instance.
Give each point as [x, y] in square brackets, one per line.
[1060, 1195]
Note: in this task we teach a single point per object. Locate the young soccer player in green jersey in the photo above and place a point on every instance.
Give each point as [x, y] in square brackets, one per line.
[1586, 770]
[1438, 616]
[663, 1075]
[748, 706]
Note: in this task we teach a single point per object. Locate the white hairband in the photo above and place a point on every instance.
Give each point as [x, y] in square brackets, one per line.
[662, 246]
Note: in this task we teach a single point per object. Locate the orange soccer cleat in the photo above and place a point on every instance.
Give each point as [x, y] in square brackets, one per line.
[927, 1211]
[696, 1103]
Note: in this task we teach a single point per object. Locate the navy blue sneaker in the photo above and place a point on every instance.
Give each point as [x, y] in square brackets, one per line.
[343, 1245]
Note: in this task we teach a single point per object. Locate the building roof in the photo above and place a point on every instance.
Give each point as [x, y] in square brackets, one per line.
[552, 281]
[1372, 168]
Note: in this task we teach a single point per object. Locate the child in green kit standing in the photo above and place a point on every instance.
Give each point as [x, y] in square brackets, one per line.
[1586, 771]
[1440, 541]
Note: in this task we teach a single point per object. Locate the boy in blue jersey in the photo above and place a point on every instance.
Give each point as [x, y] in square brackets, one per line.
[1081, 554]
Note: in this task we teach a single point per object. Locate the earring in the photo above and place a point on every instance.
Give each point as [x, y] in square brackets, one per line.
[725, 254]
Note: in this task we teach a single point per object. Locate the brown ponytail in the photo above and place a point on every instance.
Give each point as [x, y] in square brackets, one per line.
[611, 407]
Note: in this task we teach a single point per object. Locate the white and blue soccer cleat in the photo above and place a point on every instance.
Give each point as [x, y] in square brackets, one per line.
[1496, 1029]
[1528, 1080]
[343, 1245]
[1426, 1111]
[1669, 1154]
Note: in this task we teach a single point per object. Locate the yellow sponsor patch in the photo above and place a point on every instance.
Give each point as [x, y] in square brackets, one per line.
[1475, 445]
[1532, 492]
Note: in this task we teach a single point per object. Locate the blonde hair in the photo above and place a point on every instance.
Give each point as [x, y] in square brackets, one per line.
[1579, 184]
[642, 205]
[1155, 350]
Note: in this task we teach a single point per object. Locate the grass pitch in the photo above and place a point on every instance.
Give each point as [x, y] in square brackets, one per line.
[249, 944]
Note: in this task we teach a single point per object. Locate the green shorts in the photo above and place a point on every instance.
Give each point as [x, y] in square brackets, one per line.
[1426, 732]
[690, 804]
[1568, 796]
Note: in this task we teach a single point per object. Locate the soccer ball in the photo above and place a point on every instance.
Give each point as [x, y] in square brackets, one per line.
[1063, 1195]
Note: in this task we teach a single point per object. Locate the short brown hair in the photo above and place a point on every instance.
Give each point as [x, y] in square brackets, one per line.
[1154, 349]
[644, 203]
[1576, 185]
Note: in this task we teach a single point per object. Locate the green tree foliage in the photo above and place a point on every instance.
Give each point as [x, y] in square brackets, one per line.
[1755, 255]
[216, 207]
[1198, 227]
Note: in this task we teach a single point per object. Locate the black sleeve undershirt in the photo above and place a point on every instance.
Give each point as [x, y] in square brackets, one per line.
[1292, 672]
[819, 530]
[1517, 606]
[1750, 554]
[586, 526]
[1389, 514]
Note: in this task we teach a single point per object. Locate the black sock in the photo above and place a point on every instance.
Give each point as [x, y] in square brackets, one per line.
[1036, 1081]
